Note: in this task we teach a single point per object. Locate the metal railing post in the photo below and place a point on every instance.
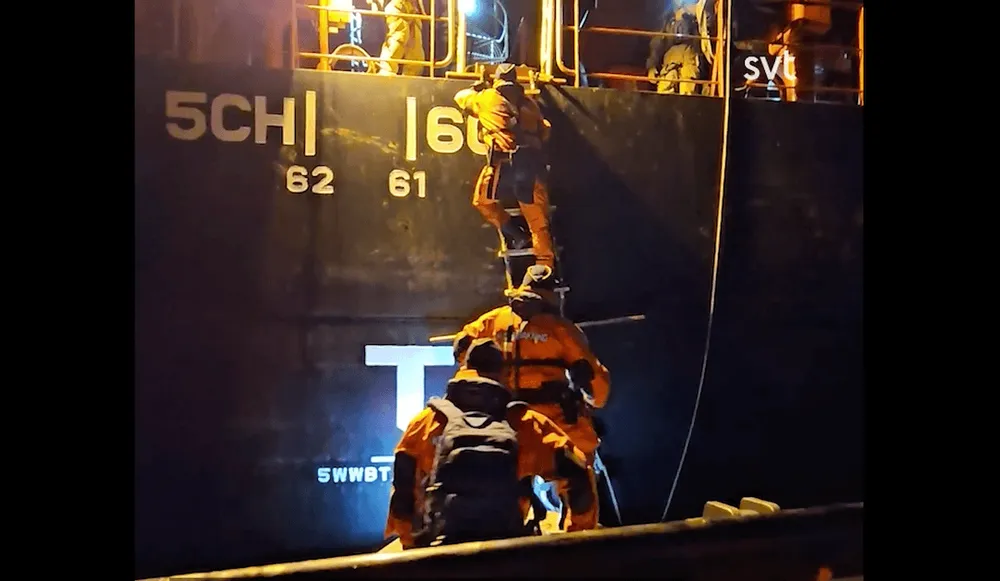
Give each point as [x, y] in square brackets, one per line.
[720, 47]
[861, 56]
[462, 52]
[433, 44]
[550, 32]
[559, 39]
[324, 36]
[576, 42]
[542, 29]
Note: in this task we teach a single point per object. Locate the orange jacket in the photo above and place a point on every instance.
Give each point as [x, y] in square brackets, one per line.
[551, 341]
[543, 449]
[498, 119]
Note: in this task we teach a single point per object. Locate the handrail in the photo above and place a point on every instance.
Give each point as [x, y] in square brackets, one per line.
[814, 88]
[790, 91]
[817, 88]
[861, 56]
[576, 39]
[560, 29]
[460, 37]
[505, 32]
[545, 40]
[430, 63]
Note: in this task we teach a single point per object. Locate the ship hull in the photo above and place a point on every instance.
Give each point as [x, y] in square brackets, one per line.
[289, 274]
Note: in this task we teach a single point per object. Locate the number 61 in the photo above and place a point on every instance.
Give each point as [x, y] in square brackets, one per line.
[297, 182]
[399, 183]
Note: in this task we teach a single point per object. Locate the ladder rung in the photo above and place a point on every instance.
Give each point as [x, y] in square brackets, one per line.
[522, 252]
[517, 211]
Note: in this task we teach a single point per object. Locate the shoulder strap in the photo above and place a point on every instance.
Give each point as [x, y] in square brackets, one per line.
[518, 407]
[446, 407]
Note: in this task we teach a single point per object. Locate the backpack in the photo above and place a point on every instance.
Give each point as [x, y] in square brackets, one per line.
[473, 492]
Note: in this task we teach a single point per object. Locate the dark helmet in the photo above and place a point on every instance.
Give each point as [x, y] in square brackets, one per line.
[484, 356]
[538, 283]
[686, 24]
[536, 295]
[506, 73]
[484, 394]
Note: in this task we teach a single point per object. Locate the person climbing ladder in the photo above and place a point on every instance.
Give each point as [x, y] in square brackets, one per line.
[514, 130]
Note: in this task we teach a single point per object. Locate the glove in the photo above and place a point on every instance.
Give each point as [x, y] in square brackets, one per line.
[581, 374]
[460, 345]
[570, 404]
[480, 85]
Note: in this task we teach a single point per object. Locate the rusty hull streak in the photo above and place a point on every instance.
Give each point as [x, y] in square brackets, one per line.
[352, 136]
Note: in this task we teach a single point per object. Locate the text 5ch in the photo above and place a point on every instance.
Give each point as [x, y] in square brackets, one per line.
[234, 118]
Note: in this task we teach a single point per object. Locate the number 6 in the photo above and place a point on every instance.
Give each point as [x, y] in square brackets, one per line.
[399, 183]
[296, 181]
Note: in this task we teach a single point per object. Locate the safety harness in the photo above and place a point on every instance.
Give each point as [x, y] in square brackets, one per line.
[549, 392]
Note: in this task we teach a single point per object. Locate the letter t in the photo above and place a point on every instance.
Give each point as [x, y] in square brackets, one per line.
[409, 361]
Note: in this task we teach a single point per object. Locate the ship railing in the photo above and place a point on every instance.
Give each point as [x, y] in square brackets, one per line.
[338, 12]
[553, 10]
[329, 15]
[782, 89]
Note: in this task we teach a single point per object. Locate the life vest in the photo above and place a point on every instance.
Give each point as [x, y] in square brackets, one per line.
[473, 491]
[508, 121]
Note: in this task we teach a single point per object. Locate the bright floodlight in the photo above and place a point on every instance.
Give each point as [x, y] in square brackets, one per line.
[467, 6]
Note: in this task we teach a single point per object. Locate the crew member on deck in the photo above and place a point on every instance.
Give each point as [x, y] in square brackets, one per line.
[403, 37]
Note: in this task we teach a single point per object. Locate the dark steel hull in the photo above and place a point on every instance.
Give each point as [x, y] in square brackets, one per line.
[254, 305]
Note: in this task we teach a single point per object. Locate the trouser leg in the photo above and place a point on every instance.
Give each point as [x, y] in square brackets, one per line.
[536, 214]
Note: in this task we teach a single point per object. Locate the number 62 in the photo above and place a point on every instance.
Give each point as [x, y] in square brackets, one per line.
[297, 181]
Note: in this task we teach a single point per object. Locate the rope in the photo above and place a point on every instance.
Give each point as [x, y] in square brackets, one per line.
[726, 106]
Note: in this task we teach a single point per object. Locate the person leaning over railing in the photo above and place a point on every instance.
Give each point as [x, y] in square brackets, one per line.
[672, 59]
[681, 61]
[403, 37]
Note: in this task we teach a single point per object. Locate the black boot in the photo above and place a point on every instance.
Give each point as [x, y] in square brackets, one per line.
[516, 236]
